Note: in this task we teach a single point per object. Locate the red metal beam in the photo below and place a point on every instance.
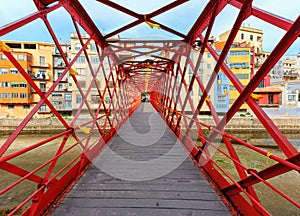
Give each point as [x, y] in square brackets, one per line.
[25, 20]
[82, 17]
[269, 125]
[287, 40]
[141, 17]
[268, 173]
[241, 16]
[266, 16]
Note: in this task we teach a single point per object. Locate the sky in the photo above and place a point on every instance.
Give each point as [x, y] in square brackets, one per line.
[181, 19]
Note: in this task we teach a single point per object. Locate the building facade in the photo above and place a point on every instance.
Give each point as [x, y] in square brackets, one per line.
[15, 92]
[38, 66]
[204, 73]
[61, 97]
[84, 77]
[240, 61]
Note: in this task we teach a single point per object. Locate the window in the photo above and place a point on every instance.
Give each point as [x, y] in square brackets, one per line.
[251, 37]
[93, 46]
[82, 84]
[3, 57]
[21, 57]
[23, 95]
[231, 87]
[271, 98]
[68, 96]
[43, 86]
[5, 95]
[199, 91]
[242, 36]
[68, 105]
[23, 85]
[3, 71]
[78, 99]
[43, 108]
[208, 55]
[208, 66]
[42, 60]
[259, 39]
[14, 71]
[239, 65]
[242, 76]
[30, 46]
[42, 71]
[29, 58]
[59, 62]
[60, 87]
[14, 95]
[26, 106]
[81, 59]
[107, 98]
[291, 97]
[11, 106]
[95, 59]
[201, 69]
[5, 84]
[81, 71]
[56, 95]
[59, 73]
[77, 46]
[239, 53]
[221, 106]
[14, 45]
[261, 84]
[96, 99]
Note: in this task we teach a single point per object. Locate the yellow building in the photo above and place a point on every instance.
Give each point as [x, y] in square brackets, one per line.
[239, 63]
[239, 59]
[254, 38]
[39, 69]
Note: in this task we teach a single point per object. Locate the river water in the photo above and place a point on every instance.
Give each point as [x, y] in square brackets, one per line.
[289, 183]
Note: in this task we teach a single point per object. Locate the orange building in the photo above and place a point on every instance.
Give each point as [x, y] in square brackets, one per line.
[15, 92]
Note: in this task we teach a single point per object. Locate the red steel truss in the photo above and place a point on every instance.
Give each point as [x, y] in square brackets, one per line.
[164, 76]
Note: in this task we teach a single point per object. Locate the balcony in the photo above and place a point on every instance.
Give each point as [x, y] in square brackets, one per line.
[39, 76]
[44, 66]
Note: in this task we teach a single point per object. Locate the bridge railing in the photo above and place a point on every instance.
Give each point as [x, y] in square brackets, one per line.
[239, 169]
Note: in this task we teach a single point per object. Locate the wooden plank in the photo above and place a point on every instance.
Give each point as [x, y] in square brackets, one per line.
[182, 191]
[138, 212]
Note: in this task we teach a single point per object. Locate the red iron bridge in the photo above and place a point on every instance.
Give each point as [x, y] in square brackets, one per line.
[130, 157]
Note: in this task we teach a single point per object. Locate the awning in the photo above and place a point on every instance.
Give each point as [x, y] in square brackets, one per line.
[14, 83]
[267, 90]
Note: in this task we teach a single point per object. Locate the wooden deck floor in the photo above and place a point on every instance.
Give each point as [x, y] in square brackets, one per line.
[143, 172]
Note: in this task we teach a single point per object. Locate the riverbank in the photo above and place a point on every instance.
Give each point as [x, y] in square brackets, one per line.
[240, 126]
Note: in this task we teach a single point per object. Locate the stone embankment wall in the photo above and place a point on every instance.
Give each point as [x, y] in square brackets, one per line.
[49, 125]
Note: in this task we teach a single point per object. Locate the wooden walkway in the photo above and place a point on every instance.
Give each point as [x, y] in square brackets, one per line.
[144, 171]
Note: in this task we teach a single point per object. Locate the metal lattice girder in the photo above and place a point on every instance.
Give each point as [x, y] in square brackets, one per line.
[165, 77]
